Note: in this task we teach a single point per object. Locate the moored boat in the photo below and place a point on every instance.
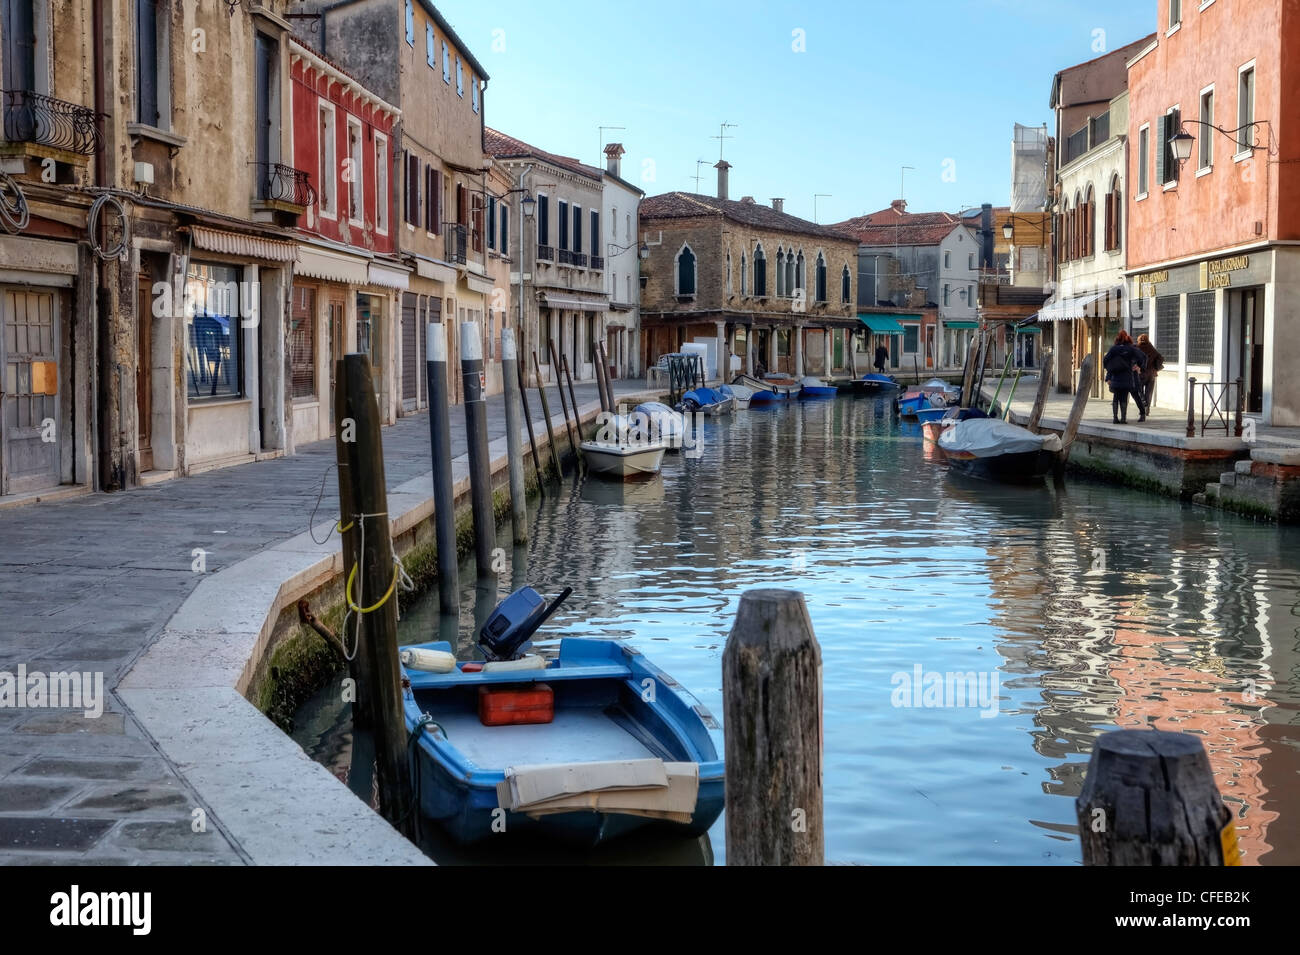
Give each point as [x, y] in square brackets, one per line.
[663, 424]
[623, 460]
[998, 450]
[872, 384]
[816, 388]
[710, 401]
[771, 387]
[740, 395]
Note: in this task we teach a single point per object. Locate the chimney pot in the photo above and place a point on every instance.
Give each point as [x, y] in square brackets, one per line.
[613, 153]
[899, 205]
[778, 205]
[722, 166]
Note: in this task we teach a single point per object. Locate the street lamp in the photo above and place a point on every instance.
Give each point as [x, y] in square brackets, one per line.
[528, 204]
[1181, 142]
[642, 253]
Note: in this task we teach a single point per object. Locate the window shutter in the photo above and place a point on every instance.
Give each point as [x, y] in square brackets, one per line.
[1175, 124]
[505, 229]
[462, 213]
[492, 222]
[1162, 147]
[476, 222]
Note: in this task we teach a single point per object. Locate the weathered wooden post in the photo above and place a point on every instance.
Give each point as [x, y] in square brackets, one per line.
[480, 464]
[604, 372]
[528, 420]
[345, 429]
[1191, 407]
[546, 413]
[1040, 399]
[600, 381]
[577, 420]
[1149, 799]
[371, 586]
[444, 503]
[514, 442]
[772, 706]
[1241, 407]
[564, 403]
[1081, 396]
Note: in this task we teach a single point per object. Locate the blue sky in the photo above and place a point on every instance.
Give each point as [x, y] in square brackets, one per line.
[933, 84]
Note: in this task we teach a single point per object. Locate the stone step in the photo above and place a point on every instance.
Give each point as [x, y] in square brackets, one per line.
[1228, 478]
[1199, 499]
[1212, 492]
[1287, 456]
[1243, 467]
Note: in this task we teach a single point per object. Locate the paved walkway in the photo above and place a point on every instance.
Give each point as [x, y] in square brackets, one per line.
[87, 583]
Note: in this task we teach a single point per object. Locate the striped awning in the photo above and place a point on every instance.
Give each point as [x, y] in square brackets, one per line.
[574, 303]
[388, 276]
[331, 266]
[479, 283]
[249, 246]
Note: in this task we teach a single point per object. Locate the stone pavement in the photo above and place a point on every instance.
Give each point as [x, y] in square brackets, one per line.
[87, 583]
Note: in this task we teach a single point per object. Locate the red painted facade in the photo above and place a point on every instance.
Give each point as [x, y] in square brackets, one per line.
[330, 216]
[1244, 198]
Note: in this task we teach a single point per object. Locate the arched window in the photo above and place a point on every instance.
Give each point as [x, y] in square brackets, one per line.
[744, 276]
[791, 274]
[781, 286]
[845, 287]
[1064, 237]
[728, 272]
[1090, 222]
[760, 272]
[685, 271]
[820, 287]
[1114, 205]
[1076, 230]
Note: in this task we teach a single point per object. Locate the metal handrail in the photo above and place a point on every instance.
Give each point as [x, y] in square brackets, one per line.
[277, 182]
[1219, 396]
[31, 117]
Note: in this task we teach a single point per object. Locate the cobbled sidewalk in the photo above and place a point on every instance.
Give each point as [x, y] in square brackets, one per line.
[87, 583]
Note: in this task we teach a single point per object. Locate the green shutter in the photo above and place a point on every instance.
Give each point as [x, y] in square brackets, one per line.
[1162, 147]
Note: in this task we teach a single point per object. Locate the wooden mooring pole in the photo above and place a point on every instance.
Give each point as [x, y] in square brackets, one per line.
[1076, 410]
[476, 436]
[546, 413]
[604, 374]
[514, 442]
[444, 503]
[1149, 799]
[564, 402]
[528, 422]
[772, 705]
[371, 583]
[1040, 399]
[577, 420]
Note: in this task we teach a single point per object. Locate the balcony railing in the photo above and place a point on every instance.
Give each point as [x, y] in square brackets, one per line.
[546, 253]
[580, 259]
[566, 257]
[33, 118]
[1076, 144]
[597, 262]
[455, 236]
[277, 182]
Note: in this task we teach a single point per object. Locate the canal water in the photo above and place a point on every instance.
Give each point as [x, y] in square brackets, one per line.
[1078, 609]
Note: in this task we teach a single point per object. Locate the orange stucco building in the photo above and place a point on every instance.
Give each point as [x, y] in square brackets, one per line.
[1212, 240]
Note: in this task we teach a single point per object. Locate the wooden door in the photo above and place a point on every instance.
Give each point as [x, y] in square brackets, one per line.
[29, 406]
[144, 374]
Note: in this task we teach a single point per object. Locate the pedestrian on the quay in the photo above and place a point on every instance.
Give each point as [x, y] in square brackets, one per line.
[1124, 364]
[882, 356]
[1155, 362]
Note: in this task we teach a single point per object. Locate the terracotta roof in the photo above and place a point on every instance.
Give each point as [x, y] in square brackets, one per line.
[501, 146]
[894, 226]
[683, 205]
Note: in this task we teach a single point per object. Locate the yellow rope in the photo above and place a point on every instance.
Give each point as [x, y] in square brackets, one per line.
[382, 600]
[344, 530]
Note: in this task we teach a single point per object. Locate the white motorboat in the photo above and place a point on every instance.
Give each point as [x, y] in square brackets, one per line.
[623, 460]
[740, 395]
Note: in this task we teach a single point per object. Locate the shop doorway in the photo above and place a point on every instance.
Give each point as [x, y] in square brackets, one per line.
[29, 399]
[144, 374]
[1245, 345]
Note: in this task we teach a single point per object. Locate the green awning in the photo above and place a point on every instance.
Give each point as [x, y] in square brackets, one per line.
[961, 324]
[882, 324]
[1029, 330]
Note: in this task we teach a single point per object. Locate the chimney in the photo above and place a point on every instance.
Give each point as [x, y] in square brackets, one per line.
[747, 200]
[613, 153]
[986, 235]
[899, 206]
[722, 166]
[778, 205]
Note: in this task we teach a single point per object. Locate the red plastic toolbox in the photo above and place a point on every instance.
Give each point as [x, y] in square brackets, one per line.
[507, 705]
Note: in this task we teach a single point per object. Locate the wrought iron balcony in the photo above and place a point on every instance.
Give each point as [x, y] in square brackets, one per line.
[277, 182]
[566, 257]
[455, 236]
[580, 259]
[597, 262]
[43, 120]
[546, 253]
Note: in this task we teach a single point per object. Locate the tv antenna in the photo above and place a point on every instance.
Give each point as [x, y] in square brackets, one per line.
[722, 136]
[697, 177]
[816, 196]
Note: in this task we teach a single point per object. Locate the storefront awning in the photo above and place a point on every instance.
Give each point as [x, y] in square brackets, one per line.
[1027, 330]
[574, 303]
[250, 246]
[480, 284]
[882, 324]
[1070, 309]
[330, 266]
[961, 324]
[388, 277]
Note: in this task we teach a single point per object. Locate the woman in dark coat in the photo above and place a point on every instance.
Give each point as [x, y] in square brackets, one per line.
[1155, 362]
[1124, 364]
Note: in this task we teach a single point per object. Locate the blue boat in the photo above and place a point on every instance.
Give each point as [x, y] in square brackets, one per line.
[931, 414]
[710, 401]
[909, 405]
[602, 719]
[816, 388]
[872, 384]
[771, 387]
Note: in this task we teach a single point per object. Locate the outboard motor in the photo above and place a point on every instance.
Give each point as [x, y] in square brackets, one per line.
[508, 631]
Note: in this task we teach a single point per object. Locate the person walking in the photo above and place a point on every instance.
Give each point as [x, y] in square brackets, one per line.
[1124, 364]
[882, 356]
[1155, 362]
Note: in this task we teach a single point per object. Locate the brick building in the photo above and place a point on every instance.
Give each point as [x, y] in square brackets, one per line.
[773, 290]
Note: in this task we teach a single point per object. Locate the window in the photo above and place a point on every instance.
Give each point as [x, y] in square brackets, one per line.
[1245, 108]
[1167, 326]
[381, 183]
[760, 272]
[729, 273]
[430, 46]
[970, 261]
[613, 224]
[446, 63]
[595, 232]
[744, 276]
[947, 259]
[945, 293]
[473, 93]
[411, 206]
[1089, 222]
[503, 244]
[1200, 328]
[563, 216]
[152, 65]
[492, 222]
[591, 339]
[780, 272]
[460, 78]
[800, 276]
[628, 280]
[846, 287]
[213, 305]
[577, 228]
[782, 342]
[1175, 13]
[1205, 145]
[628, 233]
[820, 287]
[543, 220]
[432, 200]
[356, 175]
[911, 338]
[326, 203]
[476, 221]
[1114, 213]
[544, 337]
[1144, 159]
[410, 23]
[302, 352]
[1166, 165]
[685, 271]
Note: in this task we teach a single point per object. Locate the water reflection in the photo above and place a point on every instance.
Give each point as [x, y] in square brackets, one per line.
[1096, 608]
